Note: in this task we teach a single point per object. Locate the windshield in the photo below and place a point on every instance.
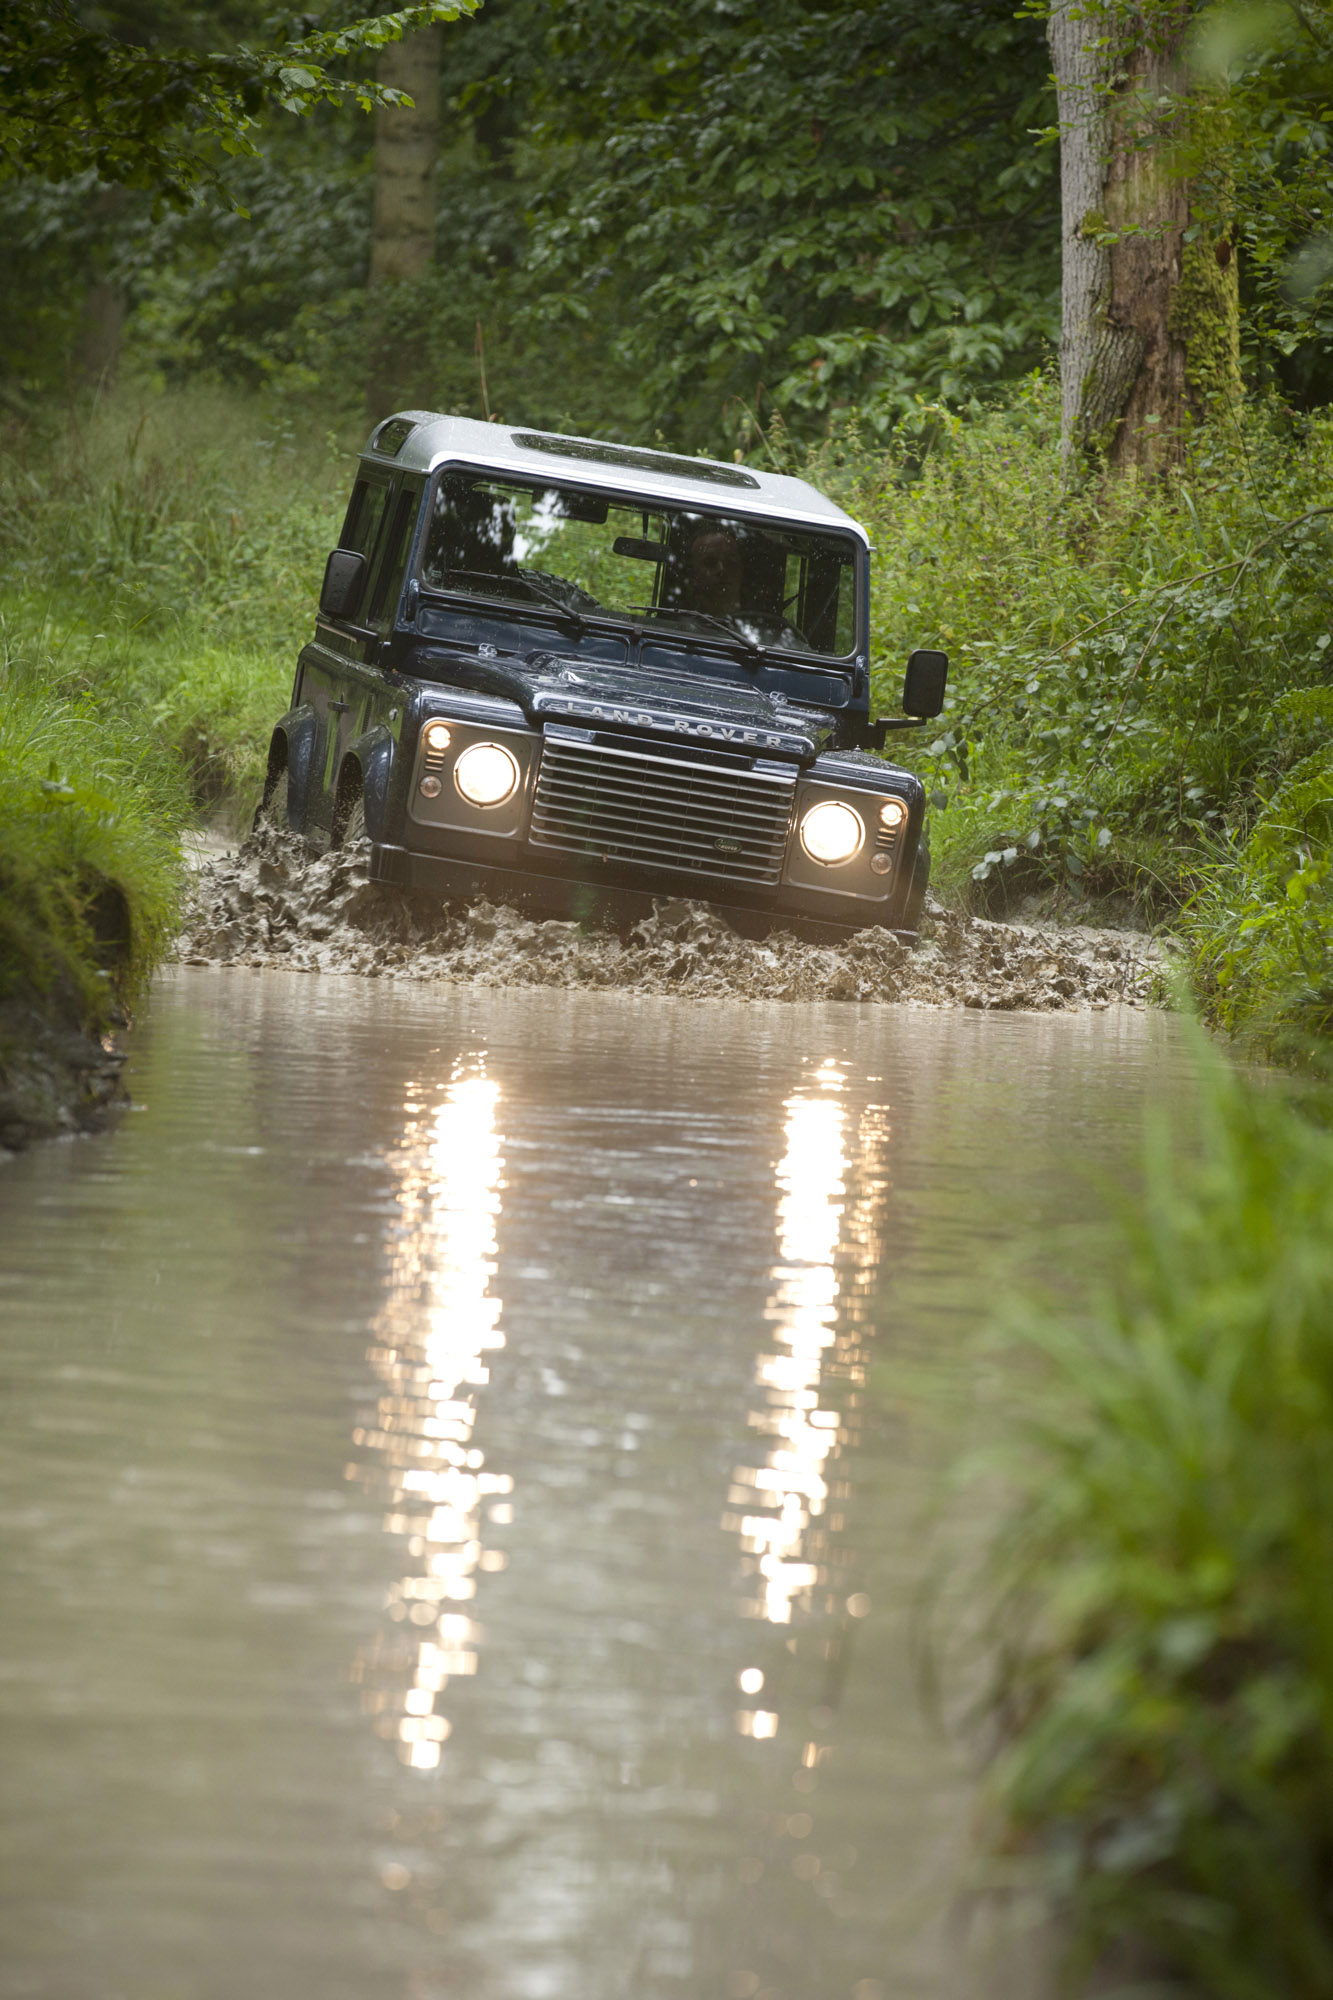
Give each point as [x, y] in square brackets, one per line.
[681, 571]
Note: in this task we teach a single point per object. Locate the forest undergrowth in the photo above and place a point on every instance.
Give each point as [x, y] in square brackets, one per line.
[159, 558]
[1140, 718]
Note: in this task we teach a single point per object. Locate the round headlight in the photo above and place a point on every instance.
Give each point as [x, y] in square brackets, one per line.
[486, 774]
[832, 832]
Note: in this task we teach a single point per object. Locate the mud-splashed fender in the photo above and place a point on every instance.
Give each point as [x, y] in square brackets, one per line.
[373, 753]
[294, 744]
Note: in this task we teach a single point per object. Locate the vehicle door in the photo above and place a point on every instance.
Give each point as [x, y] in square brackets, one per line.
[368, 691]
[331, 665]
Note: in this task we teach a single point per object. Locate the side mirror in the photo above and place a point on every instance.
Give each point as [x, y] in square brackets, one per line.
[344, 575]
[924, 683]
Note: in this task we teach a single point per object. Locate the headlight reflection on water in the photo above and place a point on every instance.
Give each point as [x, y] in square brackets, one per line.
[439, 1323]
[789, 1501]
[791, 1488]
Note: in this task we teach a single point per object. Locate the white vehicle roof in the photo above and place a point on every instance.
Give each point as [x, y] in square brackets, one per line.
[424, 440]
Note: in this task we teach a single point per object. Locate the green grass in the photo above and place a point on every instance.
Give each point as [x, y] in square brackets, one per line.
[159, 561]
[167, 554]
[1162, 1624]
[89, 860]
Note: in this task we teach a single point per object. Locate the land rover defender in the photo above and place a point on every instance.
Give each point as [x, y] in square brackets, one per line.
[579, 675]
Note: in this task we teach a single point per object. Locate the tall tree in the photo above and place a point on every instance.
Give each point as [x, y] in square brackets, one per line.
[402, 233]
[102, 317]
[407, 144]
[1150, 329]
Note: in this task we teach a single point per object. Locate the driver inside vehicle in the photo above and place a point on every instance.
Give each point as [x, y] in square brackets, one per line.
[482, 535]
[712, 582]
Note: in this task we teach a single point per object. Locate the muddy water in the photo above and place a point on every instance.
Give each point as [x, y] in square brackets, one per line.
[463, 1494]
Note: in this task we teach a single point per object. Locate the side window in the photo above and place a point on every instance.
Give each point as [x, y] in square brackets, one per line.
[393, 560]
[364, 515]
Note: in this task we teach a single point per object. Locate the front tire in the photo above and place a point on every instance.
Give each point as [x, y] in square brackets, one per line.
[350, 821]
[272, 809]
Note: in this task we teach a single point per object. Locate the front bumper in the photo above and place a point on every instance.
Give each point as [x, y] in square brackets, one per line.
[592, 901]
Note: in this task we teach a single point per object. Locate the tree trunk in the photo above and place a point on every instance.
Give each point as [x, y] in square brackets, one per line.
[406, 147]
[1150, 320]
[96, 353]
[97, 346]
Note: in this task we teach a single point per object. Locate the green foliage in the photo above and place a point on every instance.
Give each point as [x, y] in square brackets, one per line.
[817, 205]
[673, 221]
[1160, 1612]
[663, 221]
[1263, 119]
[1261, 929]
[1138, 670]
[78, 98]
[158, 571]
[451, 340]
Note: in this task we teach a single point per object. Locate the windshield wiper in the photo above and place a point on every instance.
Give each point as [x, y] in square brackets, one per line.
[680, 611]
[498, 596]
[549, 597]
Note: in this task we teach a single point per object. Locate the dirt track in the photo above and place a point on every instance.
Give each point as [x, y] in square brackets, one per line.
[271, 904]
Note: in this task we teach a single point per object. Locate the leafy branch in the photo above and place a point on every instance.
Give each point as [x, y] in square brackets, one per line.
[74, 100]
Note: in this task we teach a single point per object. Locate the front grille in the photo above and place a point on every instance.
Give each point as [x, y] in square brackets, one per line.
[662, 811]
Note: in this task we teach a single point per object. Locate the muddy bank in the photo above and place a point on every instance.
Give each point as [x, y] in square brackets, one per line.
[55, 1078]
[273, 904]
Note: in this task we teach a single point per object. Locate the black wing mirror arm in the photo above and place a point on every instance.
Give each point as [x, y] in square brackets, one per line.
[876, 731]
[923, 695]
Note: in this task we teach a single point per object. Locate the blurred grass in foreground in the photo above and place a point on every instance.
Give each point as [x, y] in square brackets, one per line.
[1161, 1624]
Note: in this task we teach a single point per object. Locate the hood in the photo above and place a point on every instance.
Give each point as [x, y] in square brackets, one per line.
[655, 699]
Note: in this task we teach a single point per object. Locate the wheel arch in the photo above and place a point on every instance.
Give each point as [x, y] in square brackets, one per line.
[366, 769]
[292, 749]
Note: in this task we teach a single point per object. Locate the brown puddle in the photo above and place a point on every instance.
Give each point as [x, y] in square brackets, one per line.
[464, 1488]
